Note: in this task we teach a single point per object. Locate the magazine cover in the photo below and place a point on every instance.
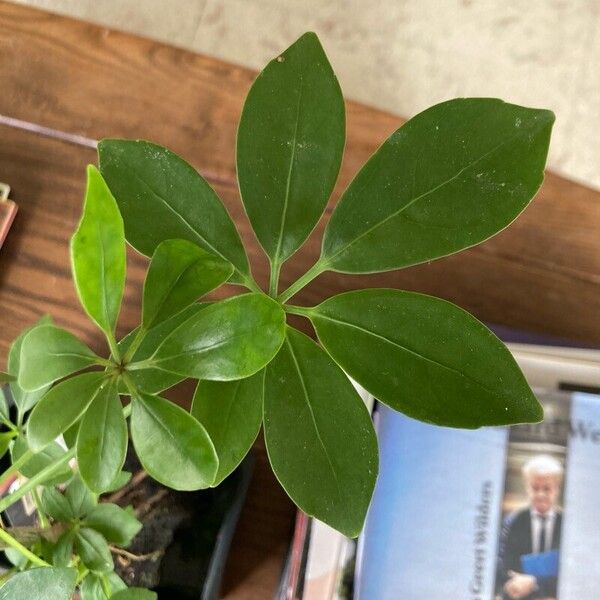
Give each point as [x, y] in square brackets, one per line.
[490, 514]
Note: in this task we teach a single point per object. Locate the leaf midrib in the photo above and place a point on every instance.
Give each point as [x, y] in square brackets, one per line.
[183, 220]
[329, 259]
[290, 171]
[312, 414]
[410, 351]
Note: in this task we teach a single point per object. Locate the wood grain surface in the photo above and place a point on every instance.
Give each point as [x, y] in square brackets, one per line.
[541, 274]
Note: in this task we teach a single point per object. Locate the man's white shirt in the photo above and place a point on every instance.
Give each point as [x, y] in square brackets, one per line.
[549, 519]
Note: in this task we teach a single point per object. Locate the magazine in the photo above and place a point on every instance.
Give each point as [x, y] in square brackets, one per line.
[490, 514]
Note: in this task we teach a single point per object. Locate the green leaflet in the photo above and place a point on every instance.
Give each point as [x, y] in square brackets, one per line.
[289, 146]
[231, 413]
[102, 440]
[231, 339]
[44, 583]
[448, 179]
[98, 254]
[4, 412]
[171, 445]
[63, 549]
[24, 400]
[80, 498]
[134, 594]
[91, 588]
[117, 525]
[61, 407]
[425, 357]
[93, 550]
[55, 505]
[152, 380]
[179, 273]
[121, 480]
[39, 461]
[319, 435]
[49, 353]
[116, 583]
[162, 197]
[6, 438]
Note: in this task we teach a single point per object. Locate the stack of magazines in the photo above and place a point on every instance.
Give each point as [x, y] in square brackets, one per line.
[500, 513]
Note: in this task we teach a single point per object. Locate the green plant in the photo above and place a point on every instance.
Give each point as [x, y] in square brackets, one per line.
[448, 179]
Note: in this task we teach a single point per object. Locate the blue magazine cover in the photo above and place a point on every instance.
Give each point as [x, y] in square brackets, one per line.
[489, 514]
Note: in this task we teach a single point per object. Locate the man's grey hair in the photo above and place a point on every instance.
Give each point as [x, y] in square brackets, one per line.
[543, 464]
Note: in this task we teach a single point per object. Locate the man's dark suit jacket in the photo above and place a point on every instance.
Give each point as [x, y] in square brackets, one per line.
[516, 541]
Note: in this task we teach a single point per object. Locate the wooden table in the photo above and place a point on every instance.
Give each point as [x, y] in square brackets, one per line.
[541, 274]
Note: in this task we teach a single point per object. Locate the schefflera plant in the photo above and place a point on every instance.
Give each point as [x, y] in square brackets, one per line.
[448, 179]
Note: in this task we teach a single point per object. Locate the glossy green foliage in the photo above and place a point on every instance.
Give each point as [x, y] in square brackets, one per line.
[80, 498]
[134, 594]
[425, 357]
[449, 178]
[55, 505]
[88, 528]
[93, 586]
[319, 435]
[42, 459]
[6, 438]
[231, 413]
[171, 445]
[102, 440]
[62, 553]
[289, 146]
[153, 380]
[61, 407]
[45, 583]
[162, 197]
[93, 550]
[49, 353]
[98, 254]
[117, 525]
[227, 340]
[179, 273]
[24, 400]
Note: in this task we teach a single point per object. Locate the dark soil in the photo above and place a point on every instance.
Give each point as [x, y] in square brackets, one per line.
[172, 552]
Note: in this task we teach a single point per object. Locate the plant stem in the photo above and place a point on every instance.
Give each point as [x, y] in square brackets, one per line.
[138, 366]
[249, 282]
[38, 507]
[303, 311]
[16, 465]
[127, 410]
[131, 388]
[137, 340]
[114, 348]
[8, 424]
[36, 480]
[313, 272]
[274, 279]
[9, 540]
[103, 362]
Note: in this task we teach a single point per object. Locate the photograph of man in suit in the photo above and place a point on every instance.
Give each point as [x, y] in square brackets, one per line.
[533, 529]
